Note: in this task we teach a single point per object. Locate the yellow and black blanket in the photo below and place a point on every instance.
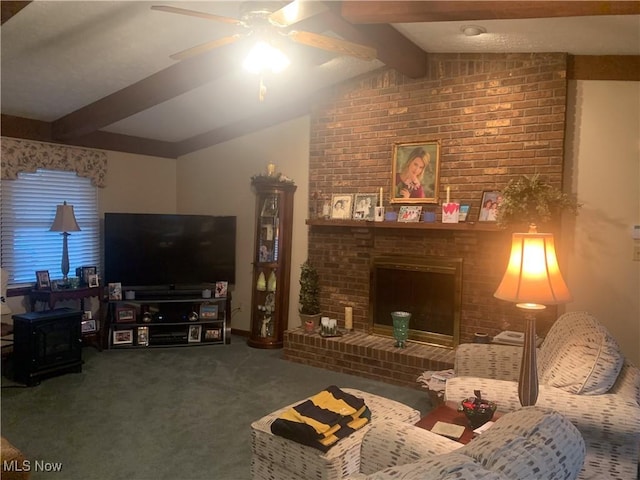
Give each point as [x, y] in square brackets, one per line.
[323, 419]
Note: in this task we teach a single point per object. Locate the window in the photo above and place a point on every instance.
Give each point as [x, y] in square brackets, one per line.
[26, 214]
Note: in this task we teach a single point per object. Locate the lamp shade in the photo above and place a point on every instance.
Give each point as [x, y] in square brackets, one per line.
[65, 220]
[533, 278]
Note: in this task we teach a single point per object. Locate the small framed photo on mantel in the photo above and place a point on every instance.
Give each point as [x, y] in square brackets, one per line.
[464, 212]
[364, 206]
[409, 213]
[489, 208]
[341, 206]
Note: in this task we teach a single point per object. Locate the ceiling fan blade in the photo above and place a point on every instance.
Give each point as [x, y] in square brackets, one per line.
[195, 13]
[204, 47]
[332, 44]
[296, 11]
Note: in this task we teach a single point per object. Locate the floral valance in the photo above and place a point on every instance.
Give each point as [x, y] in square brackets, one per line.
[28, 156]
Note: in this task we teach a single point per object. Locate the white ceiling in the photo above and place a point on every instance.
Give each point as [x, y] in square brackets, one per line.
[58, 56]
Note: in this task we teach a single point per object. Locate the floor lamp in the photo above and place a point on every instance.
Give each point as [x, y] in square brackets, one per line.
[531, 281]
[65, 222]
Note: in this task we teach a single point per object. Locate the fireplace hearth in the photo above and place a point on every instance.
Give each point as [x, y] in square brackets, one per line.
[429, 287]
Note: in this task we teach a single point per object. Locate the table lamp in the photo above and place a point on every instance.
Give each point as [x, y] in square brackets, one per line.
[532, 281]
[65, 222]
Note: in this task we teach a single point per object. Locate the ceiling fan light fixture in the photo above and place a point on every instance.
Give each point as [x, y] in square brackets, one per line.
[473, 30]
[265, 57]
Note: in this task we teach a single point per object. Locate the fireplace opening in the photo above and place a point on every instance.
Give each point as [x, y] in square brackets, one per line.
[430, 288]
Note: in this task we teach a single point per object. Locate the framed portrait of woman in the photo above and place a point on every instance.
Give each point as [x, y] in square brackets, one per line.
[415, 172]
[341, 206]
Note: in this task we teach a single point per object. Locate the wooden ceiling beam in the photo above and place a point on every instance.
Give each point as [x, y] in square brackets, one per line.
[604, 67]
[37, 130]
[373, 12]
[393, 49]
[19, 127]
[144, 94]
[162, 86]
[9, 9]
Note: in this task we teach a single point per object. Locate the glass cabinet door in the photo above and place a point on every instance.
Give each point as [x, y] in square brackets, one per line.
[271, 268]
[269, 229]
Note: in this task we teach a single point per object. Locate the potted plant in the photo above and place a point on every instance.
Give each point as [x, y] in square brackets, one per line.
[309, 300]
[530, 200]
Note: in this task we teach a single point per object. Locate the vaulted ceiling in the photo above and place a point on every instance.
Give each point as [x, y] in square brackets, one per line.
[99, 74]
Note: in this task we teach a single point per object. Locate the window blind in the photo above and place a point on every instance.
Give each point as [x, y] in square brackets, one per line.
[26, 214]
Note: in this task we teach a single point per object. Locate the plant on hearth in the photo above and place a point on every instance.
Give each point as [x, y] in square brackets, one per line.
[529, 199]
[309, 300]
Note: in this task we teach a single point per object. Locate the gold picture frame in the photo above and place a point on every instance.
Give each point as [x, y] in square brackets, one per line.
[415, 172]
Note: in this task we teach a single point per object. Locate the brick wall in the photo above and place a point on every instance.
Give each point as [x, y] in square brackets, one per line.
[496, 117]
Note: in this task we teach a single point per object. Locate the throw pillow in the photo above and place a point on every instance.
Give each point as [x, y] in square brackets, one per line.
[580, 356]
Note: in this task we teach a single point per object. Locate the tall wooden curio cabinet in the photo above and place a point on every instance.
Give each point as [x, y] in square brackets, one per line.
[272, 261]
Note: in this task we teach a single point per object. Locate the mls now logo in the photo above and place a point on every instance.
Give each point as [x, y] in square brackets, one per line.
[28, 466]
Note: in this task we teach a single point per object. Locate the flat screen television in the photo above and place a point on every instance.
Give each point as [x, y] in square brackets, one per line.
[168, 250]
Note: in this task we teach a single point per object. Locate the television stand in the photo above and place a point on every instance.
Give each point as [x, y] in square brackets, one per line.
[168, 320]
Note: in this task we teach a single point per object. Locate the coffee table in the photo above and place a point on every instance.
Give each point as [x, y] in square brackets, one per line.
[448, 412]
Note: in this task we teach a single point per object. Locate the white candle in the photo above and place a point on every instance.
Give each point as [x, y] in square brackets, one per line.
[348, 318]
[380, 196]
[448, 193]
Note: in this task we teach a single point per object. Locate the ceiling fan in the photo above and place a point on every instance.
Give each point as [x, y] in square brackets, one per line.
[269, 21]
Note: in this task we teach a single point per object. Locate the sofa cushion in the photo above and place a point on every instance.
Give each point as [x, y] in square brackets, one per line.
[579, 356]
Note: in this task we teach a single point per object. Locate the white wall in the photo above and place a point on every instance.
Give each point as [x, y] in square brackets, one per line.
[217, 181]
[603, 158]
[138, 184]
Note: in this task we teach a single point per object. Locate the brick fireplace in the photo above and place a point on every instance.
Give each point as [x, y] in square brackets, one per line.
[496, 117]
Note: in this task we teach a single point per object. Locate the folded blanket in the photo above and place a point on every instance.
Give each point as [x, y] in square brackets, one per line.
[323, 419]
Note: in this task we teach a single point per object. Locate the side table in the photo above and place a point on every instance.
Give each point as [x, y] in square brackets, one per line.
[51, 297]
[448, 412]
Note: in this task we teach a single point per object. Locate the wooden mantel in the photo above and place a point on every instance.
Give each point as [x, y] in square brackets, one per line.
[462, 226]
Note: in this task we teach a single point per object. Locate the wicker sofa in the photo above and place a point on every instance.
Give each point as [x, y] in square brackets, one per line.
[529, 444]
[582, 374]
